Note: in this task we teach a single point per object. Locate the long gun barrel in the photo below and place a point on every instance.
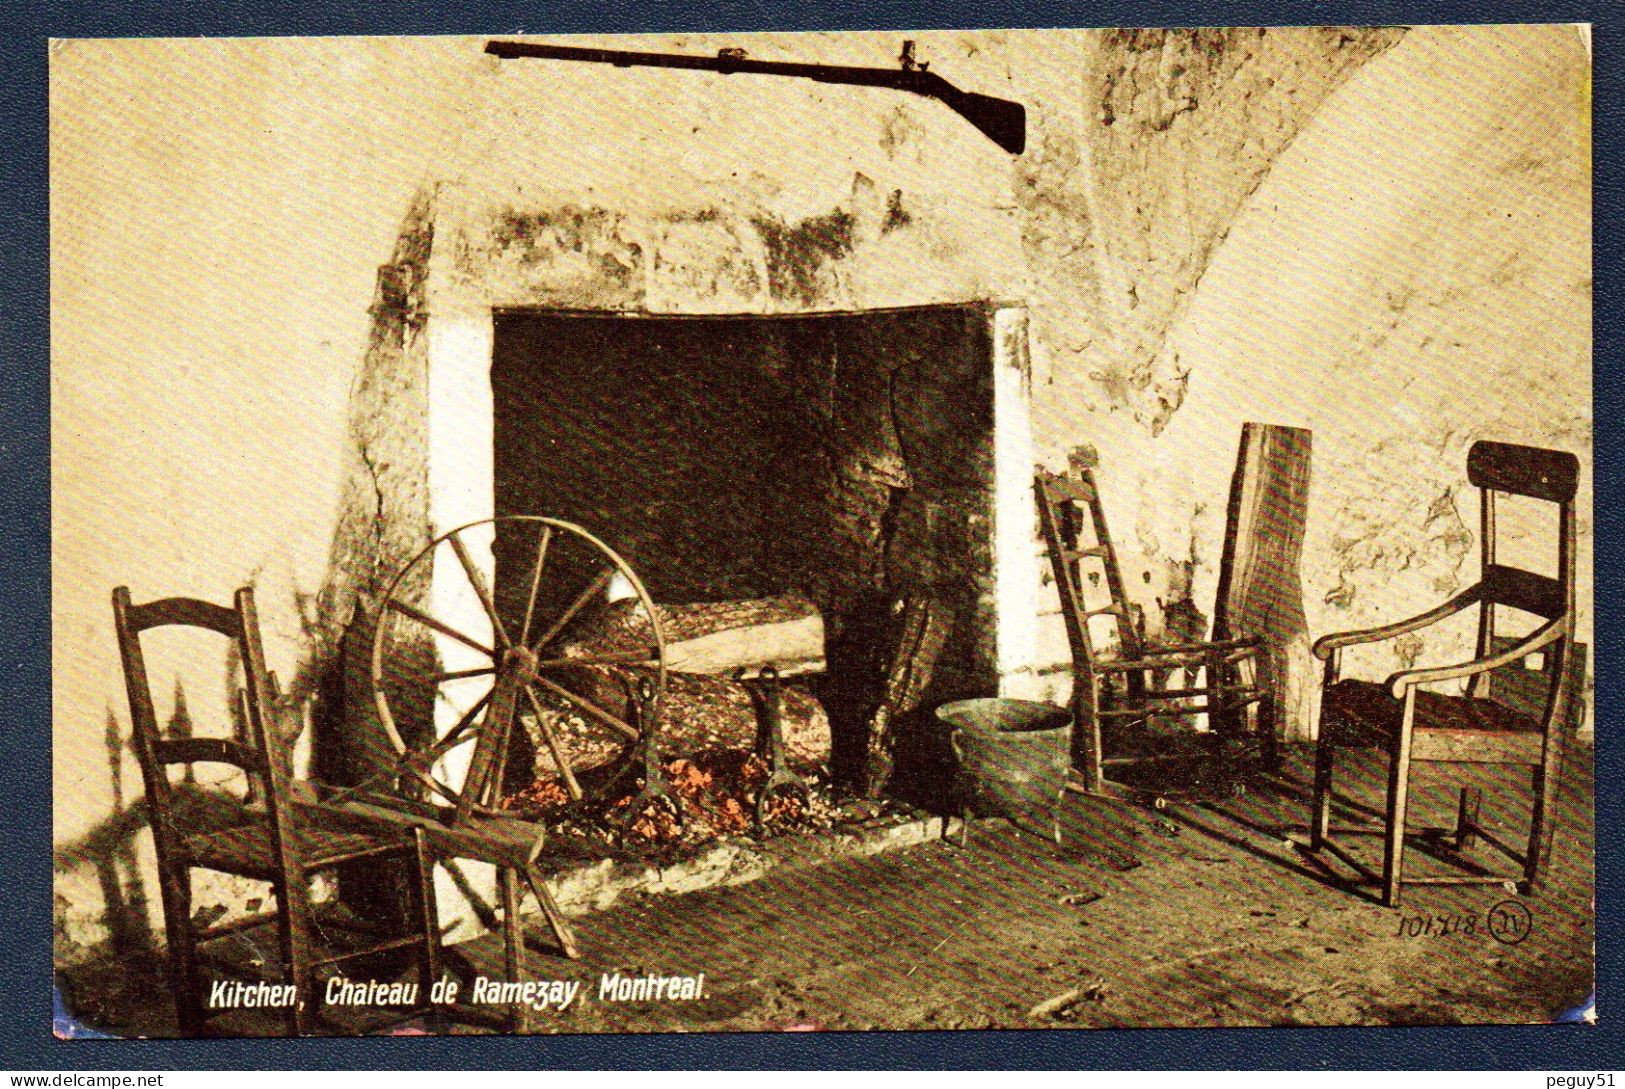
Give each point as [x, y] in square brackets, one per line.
[1002, 121]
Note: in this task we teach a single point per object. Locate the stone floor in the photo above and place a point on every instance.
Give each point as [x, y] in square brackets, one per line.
[1197, 915]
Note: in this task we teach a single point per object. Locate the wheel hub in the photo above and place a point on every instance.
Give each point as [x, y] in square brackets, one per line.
[519, 664]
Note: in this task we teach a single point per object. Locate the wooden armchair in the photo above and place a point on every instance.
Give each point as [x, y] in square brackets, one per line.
[284, 844]
[1411, 724]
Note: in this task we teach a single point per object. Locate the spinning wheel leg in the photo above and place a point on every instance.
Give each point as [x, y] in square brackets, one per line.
[513, 944]
[562, 934]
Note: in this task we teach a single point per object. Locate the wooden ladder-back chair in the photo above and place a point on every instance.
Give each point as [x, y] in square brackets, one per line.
[1487, 723]
[1117, 695]
[284, 845]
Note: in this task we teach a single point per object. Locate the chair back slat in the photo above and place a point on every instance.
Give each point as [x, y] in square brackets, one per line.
[216, 750]
[1525, 590]
[186, 612]
[1552, 475]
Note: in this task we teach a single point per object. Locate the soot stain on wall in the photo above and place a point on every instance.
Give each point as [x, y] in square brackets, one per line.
[798, 254]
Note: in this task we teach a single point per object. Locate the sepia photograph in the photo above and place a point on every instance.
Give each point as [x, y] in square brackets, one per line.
[825, 531]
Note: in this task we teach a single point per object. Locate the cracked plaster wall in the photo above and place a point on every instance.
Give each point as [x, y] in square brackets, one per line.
[1330, 228]
[1411, 275]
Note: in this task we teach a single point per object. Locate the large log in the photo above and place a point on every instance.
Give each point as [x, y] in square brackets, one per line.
[1260, 587]
[711, 648]
[733, 638]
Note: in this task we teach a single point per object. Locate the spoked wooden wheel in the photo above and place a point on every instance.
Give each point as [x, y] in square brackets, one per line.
[496, 658]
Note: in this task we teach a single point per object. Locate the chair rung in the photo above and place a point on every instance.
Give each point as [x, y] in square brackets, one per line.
[1197, 705]
[1094, 552]
[1179, 693]
[1154, 758]
[1168, 658]
[1064, 489]
[381, 947]
[209, 934]
[321, 861]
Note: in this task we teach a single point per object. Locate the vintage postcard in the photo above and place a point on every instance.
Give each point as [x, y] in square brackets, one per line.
[884, 530]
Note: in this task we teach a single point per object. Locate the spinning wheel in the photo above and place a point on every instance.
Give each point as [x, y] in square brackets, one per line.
[549, 571]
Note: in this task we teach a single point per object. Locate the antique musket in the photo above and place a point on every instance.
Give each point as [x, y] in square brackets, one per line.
[1002, 121]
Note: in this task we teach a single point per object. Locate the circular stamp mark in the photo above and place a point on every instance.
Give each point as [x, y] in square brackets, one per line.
[1510, 922]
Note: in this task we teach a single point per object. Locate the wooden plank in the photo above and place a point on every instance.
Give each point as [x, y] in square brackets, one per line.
[1260, 587]
[1477, 747]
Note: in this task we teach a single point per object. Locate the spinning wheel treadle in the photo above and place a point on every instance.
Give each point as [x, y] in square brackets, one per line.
[551, 571]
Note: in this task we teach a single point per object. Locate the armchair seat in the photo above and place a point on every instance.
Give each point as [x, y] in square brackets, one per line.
[1131, 704]
[1363, 714]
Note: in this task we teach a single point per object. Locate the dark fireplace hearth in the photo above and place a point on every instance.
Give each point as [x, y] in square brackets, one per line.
[849, 458]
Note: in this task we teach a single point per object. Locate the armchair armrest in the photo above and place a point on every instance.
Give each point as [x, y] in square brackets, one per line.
[1326, 644]
[1549, 633]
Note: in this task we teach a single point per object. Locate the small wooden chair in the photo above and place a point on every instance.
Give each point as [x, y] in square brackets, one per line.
[1117, 694]
[1484, 725]
[284, 845]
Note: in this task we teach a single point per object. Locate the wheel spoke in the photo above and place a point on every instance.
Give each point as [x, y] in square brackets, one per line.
[454, 736]
[590, 708]
[462, 674]
[597, 586]
[435, 785]
[535, 581]
[477, 580]
[344, 794]
[552, 740]
[444, 629]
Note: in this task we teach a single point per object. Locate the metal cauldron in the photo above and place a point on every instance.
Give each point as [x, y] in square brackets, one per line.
[1013, 760]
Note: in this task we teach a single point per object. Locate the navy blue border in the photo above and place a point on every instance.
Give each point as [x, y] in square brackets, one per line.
[25, 655]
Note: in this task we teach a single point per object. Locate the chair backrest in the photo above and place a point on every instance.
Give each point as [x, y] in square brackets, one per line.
[261, 756]
[1500, 468]
[1073, 520]
[1552, 476]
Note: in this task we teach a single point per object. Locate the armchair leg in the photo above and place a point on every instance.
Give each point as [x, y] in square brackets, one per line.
[1320, 819]
[296, 954]
[1547, 778]
[1393, 862]
[1467, 816]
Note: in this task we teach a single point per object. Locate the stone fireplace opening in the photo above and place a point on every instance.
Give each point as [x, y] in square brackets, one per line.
[849, 457]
